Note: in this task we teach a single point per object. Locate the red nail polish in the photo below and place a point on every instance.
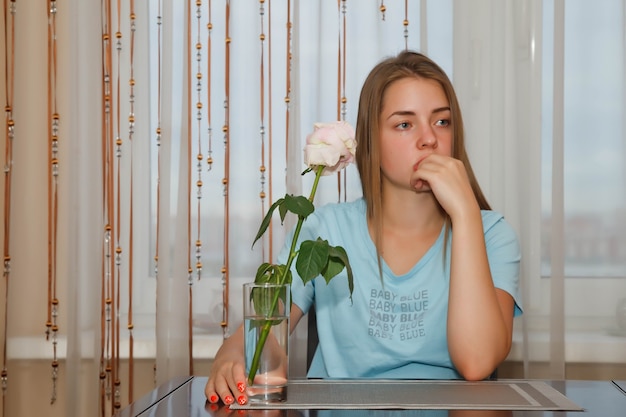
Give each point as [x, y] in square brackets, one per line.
[241, 386]
[228, 400]
[241, 400]
[213, 398]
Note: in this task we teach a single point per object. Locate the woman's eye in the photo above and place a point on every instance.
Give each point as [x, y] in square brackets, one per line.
[443, 122]
[403, 125]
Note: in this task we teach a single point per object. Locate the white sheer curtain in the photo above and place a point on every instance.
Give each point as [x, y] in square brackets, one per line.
[498, 78]
[543, 129]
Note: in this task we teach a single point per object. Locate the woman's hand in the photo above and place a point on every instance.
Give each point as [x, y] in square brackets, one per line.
[227, 379]
[447, 178]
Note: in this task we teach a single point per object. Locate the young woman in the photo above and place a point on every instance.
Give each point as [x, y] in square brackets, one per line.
[435, 269]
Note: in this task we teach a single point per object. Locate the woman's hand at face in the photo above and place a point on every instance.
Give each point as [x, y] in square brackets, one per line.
[447, 179]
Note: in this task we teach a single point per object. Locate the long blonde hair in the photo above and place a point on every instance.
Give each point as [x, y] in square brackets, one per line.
[407, 64]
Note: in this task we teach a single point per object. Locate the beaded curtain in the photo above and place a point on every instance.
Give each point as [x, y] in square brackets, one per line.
[193, 124]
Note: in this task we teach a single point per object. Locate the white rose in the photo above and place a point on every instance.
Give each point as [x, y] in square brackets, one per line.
[331, 145]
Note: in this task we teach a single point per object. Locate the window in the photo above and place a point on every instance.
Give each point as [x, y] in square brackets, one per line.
[594, 140]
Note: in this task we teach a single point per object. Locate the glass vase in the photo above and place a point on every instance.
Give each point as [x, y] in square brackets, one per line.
[266, 310]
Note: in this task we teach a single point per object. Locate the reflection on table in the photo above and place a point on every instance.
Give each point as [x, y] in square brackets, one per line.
[216, 410]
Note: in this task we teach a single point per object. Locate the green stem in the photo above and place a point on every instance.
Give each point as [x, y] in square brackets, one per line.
[267, 324]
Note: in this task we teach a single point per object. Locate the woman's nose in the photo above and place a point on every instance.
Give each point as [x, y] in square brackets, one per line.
[427, 138]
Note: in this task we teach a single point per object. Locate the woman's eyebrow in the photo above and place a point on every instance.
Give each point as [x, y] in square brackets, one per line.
[441, 109]
[412, 113]
[401, 113]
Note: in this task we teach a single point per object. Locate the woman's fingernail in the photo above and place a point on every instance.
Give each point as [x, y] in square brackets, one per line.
[241, 400]
[241, 386]
[228, 400]
[213, 398]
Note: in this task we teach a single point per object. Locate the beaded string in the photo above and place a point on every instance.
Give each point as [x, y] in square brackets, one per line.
[270, 233]
[159, 23]
[341, 87]
[158, 140]
[405, 22]
[288, 78]
[52, 327]
[209, 108]
[108, 232]
[131, 132]
[209, 27]
[341, 69]
[225, 180]
[116, 178]
[9, 50]
[382, 9]
[262, 81]
[199, 158]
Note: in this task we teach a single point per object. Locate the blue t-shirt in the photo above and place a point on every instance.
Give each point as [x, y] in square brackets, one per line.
[395, 328]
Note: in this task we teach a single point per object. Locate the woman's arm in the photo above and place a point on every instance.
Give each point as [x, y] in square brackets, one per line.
[480, 316]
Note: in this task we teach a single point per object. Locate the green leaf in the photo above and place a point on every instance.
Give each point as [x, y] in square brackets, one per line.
[264, 273]
[312, 259]
[338, 253]
[283, 210]
[274, 274]
[333, 267]
[267, 219]
[320, 258]
[264, 298]
[299, 205]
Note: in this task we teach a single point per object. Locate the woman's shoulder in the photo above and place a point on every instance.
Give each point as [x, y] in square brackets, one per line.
[497, 228]
[491, 218]
[336, 222]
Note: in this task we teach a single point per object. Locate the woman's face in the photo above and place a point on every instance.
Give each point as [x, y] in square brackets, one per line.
[415, 121]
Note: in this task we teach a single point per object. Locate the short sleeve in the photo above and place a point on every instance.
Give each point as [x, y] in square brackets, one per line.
[503, 252]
